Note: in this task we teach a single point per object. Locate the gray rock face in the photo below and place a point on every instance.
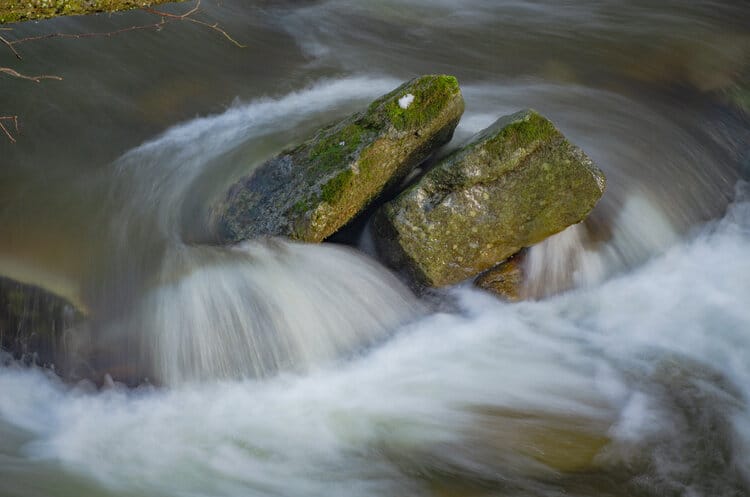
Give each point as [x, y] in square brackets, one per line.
[514, 184]
[309, 192]
[33, 321]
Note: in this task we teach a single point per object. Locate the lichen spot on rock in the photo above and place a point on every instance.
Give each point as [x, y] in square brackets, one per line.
[405, 101]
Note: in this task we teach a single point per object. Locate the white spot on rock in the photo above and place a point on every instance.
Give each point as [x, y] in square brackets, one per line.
[405, 101]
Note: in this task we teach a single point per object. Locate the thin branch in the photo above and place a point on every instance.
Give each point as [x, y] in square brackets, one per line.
[10, 45]
[14, 120]
[165, 19]
[105, 34]
[36, 79]
[186, 17]
[175, 16]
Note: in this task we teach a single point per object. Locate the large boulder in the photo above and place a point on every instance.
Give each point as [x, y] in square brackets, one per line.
[309, 192]
[33, 322]
[513, 185]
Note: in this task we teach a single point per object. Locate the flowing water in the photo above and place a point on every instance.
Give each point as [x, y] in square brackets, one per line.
[281, 369]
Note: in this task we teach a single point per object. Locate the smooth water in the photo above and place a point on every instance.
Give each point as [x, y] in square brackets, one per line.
[286, 369]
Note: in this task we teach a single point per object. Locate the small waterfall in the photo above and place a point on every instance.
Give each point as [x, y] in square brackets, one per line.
[584, 255]
[262, 307]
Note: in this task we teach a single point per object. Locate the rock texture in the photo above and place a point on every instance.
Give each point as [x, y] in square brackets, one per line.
[504, 280]
[33, 321]
[513, 185]
[309, 192]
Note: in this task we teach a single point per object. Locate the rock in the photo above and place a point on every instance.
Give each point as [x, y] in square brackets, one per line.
[309, 192]
[33, 322]
[513, 185]
[505, 279]
[738, 95]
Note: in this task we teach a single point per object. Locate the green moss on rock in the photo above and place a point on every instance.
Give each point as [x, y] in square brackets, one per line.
[334, 189]
[26, 10]
[310, 191]
[332, 150]
[429, 98]
[514, 184]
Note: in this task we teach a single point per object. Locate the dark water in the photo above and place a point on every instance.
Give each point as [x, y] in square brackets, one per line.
[633, 383]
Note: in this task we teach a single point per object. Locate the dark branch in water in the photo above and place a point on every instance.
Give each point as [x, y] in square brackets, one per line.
[12, 119]
[186, 17]
[166, 18]
[106, 34]
[36, 79]
[10, 45]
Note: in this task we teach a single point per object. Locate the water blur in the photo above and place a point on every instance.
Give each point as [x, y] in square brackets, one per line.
[286, 369]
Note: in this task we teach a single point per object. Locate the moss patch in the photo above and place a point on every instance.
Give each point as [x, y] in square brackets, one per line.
[429, 99]
[26, 10]
[334, 188]
[303, 205]
[533, 128]
[331, 151]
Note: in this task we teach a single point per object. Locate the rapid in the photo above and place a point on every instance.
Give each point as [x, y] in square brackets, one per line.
[274, 368]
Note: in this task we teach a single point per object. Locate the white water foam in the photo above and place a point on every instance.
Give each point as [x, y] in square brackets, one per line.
[264, 307]
[622, 356]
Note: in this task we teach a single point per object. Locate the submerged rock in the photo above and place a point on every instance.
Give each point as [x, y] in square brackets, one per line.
[309, 192]
[513, 185]
[33, 322]
[739, 95]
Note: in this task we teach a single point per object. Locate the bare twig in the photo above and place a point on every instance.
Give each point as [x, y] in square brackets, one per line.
[10, 45]
[186, 17]
[12, 119]
[165, 18]
[36, 79]
[105, 34]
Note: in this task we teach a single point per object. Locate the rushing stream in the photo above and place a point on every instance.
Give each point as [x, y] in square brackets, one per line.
[280, 369]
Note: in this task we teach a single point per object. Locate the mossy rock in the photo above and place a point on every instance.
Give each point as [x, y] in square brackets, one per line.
[33, 322]
[27, 10]
[309, 192]
[513, 185]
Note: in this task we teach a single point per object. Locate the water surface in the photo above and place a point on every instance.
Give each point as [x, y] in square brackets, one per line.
[286, 369]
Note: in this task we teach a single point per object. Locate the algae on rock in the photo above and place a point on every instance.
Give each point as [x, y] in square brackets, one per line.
[309, 192]
[513, 185]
